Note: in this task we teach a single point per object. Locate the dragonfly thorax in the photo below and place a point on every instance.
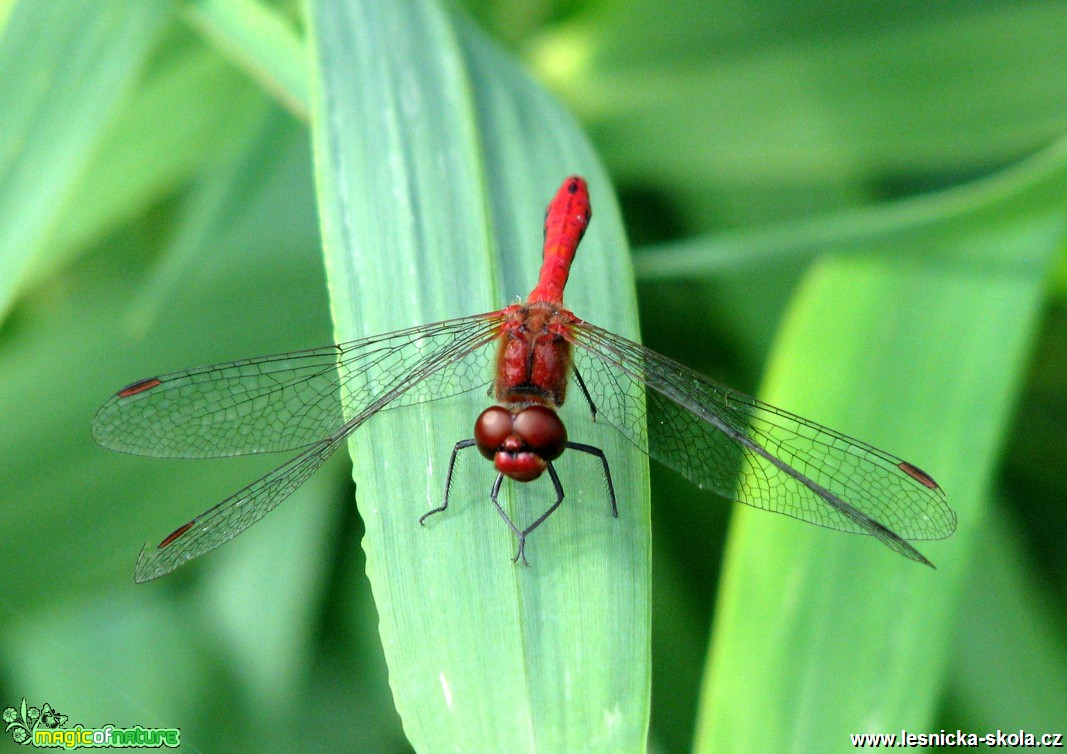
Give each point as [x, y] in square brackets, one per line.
[534, 357]
[521, 440]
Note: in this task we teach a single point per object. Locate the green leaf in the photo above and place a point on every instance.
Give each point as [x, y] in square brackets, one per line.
[155, 144]
[819, 634]
[435, 158]
[1035, 185]
[63, 70]
[1012, 663]
[261, 42]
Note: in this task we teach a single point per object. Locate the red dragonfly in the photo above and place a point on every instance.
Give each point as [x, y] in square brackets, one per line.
[720, 439]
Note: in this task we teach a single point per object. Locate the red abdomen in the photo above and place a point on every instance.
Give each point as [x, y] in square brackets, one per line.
[567, 217]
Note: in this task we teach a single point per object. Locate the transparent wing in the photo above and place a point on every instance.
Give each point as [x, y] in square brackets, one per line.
[754, 453]
[234, 514]
[288, 401]
[281, 398]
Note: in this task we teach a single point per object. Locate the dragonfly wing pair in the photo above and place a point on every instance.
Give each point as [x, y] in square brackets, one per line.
[284, 402]
[754, 453]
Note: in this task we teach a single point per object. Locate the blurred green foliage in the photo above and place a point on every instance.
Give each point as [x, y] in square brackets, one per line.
[779, 163]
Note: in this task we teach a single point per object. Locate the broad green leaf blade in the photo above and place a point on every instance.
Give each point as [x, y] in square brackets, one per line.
[435, 160]
[63, 69]
[817, 634]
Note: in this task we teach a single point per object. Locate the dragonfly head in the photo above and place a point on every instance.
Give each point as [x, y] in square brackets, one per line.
[520, 441]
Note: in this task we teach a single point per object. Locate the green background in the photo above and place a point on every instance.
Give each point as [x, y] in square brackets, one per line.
[855, 211]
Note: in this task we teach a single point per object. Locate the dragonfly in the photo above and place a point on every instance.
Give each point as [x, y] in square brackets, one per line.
[527, 355]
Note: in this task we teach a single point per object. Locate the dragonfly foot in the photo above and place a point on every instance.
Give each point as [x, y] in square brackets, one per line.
[424, 516]
[521, 552]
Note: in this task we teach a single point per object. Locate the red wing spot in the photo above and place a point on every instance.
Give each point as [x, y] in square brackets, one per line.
[917, 474]
[139, 387]
[175, 534]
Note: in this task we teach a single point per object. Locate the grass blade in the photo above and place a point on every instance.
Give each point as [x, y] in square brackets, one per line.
[435, 159]
[819, 635]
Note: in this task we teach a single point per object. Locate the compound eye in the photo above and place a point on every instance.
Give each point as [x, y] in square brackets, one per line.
[542, 431]
[491, 429]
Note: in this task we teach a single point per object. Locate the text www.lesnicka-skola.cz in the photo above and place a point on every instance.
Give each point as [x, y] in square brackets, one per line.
[1014, 739]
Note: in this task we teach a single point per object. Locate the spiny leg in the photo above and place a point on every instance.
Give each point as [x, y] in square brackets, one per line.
[595, 451]
[448, 478]
[519, 533]
[585, 392]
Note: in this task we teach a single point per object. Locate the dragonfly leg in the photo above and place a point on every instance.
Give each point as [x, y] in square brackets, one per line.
[519, 533]
[594, 451]
[448, 478]
[585, 392]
